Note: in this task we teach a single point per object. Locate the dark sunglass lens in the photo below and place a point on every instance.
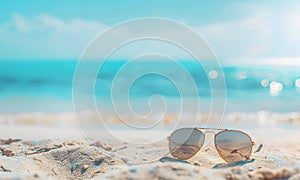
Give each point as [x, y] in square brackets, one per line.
[185, 143]
[233, 146]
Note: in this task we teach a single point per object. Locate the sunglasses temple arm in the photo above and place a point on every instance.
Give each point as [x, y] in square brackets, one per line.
[258, 148]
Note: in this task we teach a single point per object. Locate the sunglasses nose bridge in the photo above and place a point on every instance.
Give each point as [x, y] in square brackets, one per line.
[209, 132]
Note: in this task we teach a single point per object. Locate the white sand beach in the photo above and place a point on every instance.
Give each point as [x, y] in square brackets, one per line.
[43, 151]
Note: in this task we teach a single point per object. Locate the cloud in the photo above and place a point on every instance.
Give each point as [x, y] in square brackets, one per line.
[269, 61]
[246, 38]
[262, 36]
[21, 23]
[49, 37]
[290, 29]
[45, 37]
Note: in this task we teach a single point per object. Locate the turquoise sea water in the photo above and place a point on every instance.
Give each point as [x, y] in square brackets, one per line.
[46, 86]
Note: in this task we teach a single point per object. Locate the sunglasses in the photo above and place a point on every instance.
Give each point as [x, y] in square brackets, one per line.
[232, 145]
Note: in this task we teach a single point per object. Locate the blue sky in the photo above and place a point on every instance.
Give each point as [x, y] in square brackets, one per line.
[238, 31]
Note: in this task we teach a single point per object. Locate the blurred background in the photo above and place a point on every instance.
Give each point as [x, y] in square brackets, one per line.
[256, 42]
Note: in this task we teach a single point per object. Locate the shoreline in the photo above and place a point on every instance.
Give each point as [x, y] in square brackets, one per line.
[65, 119]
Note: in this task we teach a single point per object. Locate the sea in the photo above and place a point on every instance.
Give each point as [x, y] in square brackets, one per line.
[47, 86]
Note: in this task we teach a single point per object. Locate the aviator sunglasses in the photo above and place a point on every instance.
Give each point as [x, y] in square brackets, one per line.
[232, 145]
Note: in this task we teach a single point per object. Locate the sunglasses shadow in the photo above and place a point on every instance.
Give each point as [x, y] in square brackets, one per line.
[239, 163]
[217, 166]
[169, 159]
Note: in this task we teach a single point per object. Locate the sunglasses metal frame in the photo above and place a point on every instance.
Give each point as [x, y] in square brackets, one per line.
[212, 130]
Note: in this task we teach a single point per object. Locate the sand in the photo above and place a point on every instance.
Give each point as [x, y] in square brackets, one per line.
[48, 152]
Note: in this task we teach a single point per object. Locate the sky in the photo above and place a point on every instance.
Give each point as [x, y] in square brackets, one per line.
[240, 32]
